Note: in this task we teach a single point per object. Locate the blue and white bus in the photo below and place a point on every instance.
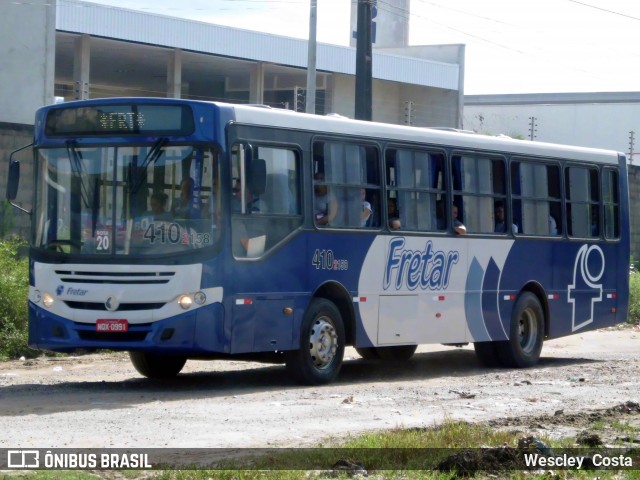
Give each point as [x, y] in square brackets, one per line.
[178, 229]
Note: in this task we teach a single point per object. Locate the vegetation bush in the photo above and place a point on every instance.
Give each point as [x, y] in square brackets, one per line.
[14, 291]
[634, 298]
[6, 218]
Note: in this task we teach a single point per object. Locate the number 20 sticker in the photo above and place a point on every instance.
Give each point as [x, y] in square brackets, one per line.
[102, 240]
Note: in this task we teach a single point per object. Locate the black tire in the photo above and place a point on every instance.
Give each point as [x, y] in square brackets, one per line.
[487, 354]
[322, 342]
[397, 353]
[157, 366]
[526, 334]
[368, 353]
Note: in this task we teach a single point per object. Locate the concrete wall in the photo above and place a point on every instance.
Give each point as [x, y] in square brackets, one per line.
[27, 50]
[12, 137]
[431, 106]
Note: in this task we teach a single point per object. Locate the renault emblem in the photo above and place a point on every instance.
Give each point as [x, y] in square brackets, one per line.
[112, 303]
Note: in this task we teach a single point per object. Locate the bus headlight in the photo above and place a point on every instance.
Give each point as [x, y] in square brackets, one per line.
[200, 298]
[47, 300]
[185, 301]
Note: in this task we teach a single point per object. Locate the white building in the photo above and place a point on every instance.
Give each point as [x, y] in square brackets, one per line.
[600, 120]
[88, 50]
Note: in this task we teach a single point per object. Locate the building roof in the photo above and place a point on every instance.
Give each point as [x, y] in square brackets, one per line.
[552, 98]
[122, 24]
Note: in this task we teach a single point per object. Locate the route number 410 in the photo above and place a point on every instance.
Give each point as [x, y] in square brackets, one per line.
[325, 260]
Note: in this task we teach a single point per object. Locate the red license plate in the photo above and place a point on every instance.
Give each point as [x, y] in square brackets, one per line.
[109, 325]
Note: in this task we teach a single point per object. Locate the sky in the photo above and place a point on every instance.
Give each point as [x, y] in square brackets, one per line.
[512, 46]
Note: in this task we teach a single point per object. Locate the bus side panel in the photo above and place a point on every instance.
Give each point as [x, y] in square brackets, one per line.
[578, 279]
[450, 286]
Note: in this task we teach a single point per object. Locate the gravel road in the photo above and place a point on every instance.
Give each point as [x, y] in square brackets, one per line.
[99, 400]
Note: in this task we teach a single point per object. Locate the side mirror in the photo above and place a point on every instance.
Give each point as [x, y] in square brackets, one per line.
[258, 176]
[14, 180]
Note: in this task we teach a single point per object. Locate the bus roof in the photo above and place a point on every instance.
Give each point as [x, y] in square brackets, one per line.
[335, 124]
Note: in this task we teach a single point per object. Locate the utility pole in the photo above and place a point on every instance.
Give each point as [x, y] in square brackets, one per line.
[408, 112]
[631, 145]
[311, 59]
[298, 99]
[533, 128]
[363, 61]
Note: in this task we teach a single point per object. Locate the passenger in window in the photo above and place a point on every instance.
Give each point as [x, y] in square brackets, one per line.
[595, 223]
[553, 227]
[158, 202]
[569, 220]
[185, 209]
[458, 226]
[325, 205]
[365, 216]
[393, 214]
[441, 223]
[500, 220]
[253, 204]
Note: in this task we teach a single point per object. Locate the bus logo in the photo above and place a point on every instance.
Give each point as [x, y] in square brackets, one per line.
[585, 291]
[427, 269]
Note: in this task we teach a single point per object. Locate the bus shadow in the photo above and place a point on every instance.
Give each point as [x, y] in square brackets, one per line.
[432, 365]
[39, 399]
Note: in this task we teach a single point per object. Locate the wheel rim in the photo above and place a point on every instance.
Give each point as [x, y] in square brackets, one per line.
[323, 342]
[528, 330]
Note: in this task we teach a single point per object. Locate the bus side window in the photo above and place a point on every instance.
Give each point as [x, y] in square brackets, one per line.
[535, 187]
[415, 181]
[480, 181]
[611, 203]
[583, 201]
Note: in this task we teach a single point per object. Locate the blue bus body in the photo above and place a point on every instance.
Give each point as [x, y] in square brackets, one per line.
[389, 288]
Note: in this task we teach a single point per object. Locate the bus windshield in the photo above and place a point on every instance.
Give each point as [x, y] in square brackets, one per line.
[134, 200]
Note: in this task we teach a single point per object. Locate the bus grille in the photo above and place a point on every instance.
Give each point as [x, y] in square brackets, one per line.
[115, 278]
[92, 336]
[123, 307]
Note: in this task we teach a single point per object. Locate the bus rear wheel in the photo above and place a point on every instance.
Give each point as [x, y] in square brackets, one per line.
[395, 353]
[526, 334]
[157, 366]
[487, 354]
[322, 341]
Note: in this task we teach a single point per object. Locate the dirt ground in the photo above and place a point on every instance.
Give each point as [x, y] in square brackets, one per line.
[99, 400]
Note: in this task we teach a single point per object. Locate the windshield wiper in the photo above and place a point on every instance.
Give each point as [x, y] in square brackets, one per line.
[152, 157]
[77, 167]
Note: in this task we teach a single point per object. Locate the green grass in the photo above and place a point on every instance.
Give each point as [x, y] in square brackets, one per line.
[369, 449]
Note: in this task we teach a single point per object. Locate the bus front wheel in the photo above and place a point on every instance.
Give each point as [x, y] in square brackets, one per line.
[322, 341]
[157, 366]
[368, 353]
[526, 334]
